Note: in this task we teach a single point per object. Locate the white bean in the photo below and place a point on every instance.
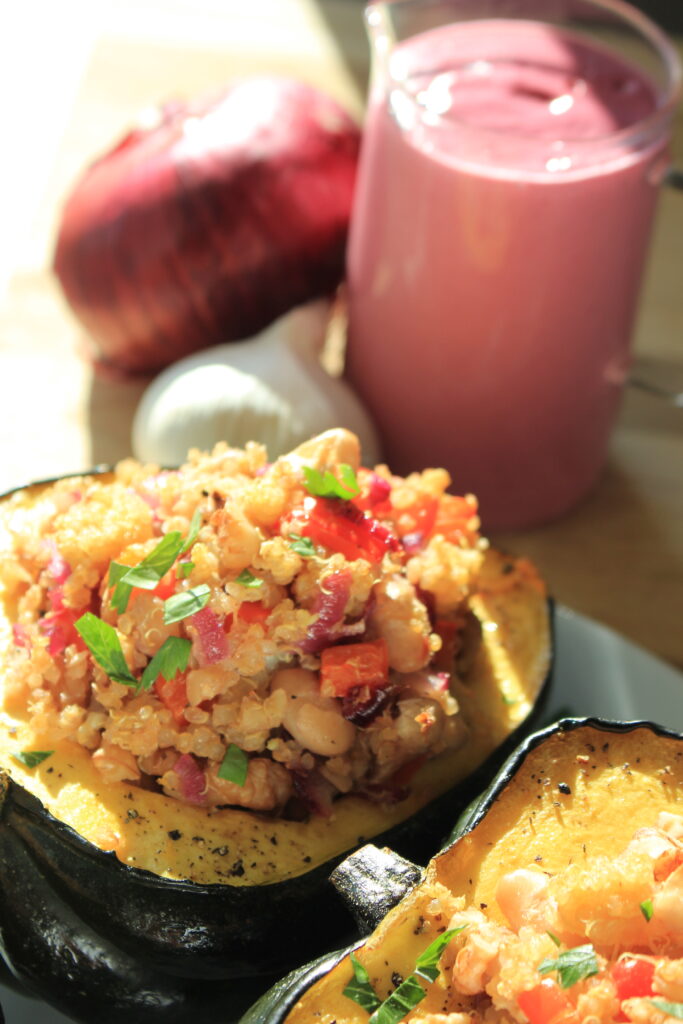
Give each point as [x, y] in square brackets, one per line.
[316, 722]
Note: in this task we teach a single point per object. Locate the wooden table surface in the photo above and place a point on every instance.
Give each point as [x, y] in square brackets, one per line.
[80, 81]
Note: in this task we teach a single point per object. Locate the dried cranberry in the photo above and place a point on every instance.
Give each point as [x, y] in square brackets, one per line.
[362, 712]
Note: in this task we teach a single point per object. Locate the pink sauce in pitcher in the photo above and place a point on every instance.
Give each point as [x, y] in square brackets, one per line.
[493, 269]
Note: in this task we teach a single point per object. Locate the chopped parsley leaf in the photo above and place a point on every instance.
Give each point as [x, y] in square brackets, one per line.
[102, 641]
[573, 965]
[188, 602]
[171, 658]
[234, 766]
[303, 546]
[32, 758]
[326, 485]
[247, 579]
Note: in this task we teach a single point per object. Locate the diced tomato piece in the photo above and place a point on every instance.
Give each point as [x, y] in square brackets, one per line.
[544, 1003]
[253, 611]
[633, 978]
[348, 666]
[417, 519]
[173, 694]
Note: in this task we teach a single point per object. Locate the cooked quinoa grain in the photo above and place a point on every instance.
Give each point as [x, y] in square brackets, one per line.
[289, 615]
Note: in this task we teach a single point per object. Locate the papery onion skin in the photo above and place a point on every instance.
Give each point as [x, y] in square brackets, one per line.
[205, 228]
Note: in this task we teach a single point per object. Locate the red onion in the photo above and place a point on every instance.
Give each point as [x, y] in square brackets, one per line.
[58, 568]
[213, 643]
[207, 227]
[191, 779]
[329, 606]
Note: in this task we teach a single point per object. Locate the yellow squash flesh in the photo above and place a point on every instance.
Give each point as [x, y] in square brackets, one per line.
[619, 781]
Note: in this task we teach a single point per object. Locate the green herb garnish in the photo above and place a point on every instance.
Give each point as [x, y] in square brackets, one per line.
[32, 758]
[234, 766]
[554, 938]
[186, 603]
[408, 994]
[103, 643]
[149, 572]
[247, 579]
[303, 546]
[672, 1009]
[171, 658]
[184, 569]
[403, 999]
[360, 987]
[647, 909]
[426, 965]
[195, 524]
[326, 485]
[573, 965]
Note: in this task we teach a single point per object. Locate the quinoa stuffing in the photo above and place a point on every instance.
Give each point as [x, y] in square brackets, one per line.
[244, 633]
[597, 942]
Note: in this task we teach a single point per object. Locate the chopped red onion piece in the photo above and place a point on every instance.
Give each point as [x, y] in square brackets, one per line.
[20, 635]
[213, 643]
[191, 779]
[58, 567]
[329, 606]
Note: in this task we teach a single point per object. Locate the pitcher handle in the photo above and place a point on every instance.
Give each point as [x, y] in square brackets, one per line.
[673, 178]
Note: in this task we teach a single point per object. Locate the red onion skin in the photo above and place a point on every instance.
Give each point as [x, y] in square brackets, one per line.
[207, 227]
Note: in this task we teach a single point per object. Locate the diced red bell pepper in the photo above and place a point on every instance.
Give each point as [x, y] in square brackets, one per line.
[348, 666]
[253, 612]
[173, 694]
[342, 528]
[633, 978]
[59, 625]
[417, 520]
[545, 1003]
[666, 863]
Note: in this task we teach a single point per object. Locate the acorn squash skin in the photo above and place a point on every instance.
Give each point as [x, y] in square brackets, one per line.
[494, 835]
[100, 939]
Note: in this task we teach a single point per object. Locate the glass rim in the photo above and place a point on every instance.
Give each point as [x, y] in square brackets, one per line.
[636, 19]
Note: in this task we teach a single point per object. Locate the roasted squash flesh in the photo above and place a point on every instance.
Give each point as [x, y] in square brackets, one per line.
[581, 792]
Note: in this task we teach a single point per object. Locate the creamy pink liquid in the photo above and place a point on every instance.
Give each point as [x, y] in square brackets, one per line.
[493, 272]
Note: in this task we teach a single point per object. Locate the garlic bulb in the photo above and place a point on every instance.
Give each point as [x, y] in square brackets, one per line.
[270, 388]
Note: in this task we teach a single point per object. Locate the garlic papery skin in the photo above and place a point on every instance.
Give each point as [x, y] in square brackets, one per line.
[270, 388]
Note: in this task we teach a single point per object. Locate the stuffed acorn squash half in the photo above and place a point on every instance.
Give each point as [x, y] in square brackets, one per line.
[218, 680]
[558, 900]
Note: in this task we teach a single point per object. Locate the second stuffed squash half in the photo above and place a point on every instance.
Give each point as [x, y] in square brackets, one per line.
[559, 899]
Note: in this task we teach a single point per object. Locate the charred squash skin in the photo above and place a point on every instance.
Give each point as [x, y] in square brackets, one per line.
[582, 783]
[142, 908]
